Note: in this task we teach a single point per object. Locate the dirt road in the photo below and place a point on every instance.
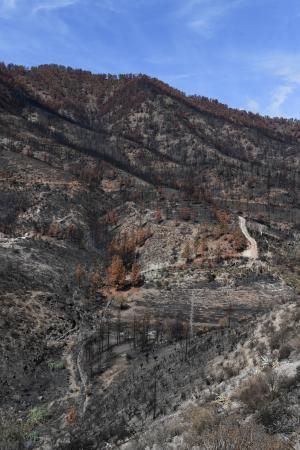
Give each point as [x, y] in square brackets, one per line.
[252, 250]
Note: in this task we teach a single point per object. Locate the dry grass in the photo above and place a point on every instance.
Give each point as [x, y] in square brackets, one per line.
[200, 419]
[230, 435]
[202, 428]
[258, 390]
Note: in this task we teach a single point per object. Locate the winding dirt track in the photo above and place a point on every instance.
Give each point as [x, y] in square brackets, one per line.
[252, 250]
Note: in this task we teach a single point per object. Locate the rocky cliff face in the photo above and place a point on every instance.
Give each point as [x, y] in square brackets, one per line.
[95, 169]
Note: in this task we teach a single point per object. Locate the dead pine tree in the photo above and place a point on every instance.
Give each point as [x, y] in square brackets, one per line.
[186, 342]
[155, 393]
[99, 341]
[145, 332]
[134, 331]
[192, 317]
[108, 332]
[119, 326]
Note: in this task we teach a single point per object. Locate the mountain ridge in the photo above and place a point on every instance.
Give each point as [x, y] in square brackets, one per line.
[206, 104]
[118, 121]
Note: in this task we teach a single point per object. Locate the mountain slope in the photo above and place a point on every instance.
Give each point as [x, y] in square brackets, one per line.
[156, 133]
[121, 251]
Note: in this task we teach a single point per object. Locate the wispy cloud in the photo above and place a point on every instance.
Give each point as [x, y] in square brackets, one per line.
[6, 6]
[285, 68]
[252, 105]
[112, 6]
[159, 59]
[9, 3]
[17, 7]
[278, 98]
[284, 65]
[202, 15]
[49, 5]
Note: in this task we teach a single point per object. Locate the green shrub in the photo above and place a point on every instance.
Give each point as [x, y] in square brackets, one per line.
[37, 415]
[56, 364]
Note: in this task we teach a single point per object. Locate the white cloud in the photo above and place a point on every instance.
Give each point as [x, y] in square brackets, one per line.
[119, 6]
[159, 59]
[284, 65]
[252, 105]
[189, 6]
[284, 68]
[278, 98]
[202, 15]
[9, 3]
[112, 6]
[48, 5]
[6, 7]
[12, 7]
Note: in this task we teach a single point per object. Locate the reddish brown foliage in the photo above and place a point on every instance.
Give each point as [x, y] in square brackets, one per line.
[117, 272]
[136, 277]
[128, 242]
[222, 217]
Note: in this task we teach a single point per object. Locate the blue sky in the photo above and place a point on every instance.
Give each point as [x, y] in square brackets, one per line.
[245, 53]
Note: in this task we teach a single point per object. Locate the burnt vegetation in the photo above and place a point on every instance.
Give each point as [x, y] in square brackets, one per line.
[130, 316]
[117, 120]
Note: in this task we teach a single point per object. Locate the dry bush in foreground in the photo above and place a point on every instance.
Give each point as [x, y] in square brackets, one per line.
[201, 418]
[258, 390]
[203, 429]
[230, 435]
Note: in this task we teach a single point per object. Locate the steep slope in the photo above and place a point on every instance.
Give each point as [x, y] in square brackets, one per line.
[121, 253]
[156, 133]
